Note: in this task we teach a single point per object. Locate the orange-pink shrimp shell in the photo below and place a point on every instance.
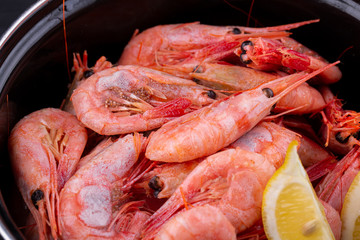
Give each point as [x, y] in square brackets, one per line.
[123, 99]
[198, 223]
[207, 130]
[45, 147]
[92, 204]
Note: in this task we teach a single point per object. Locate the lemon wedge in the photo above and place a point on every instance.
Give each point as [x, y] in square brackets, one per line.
[350, 213]
[290, 208]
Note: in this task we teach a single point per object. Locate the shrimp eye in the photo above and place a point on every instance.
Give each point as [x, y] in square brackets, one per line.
[245, 45]
[36, 196]
[155, 184]
[88, 73]
[236, 31]
[356, 135]
[197, 69]
[244, 58]
[211, 94]
[268, 92]
[340, 138]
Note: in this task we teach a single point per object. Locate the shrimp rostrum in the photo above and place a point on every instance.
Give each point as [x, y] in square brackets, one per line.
[126, 99]
[45, 147]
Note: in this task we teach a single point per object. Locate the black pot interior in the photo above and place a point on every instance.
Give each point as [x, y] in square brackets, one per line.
[35, 73]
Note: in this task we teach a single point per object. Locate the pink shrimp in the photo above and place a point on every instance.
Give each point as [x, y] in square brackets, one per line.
[263, 139]
[94, 203]
[305, 99]
[232, 180]
[144, 48]
[201, 222]
[82, 71]
[163, 180]
[334, 186]
[45, 147]
[125, 99]
[207, 130]
[340, 128]
[271, 54]
[178, 48]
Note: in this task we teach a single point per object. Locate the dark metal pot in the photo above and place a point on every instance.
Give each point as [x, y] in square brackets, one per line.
[33, 71]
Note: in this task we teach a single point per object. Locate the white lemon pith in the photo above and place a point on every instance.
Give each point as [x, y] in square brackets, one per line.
[350, 213]
[291, 209]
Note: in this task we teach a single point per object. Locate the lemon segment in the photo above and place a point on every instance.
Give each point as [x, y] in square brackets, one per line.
[350, 213]
[290, 208]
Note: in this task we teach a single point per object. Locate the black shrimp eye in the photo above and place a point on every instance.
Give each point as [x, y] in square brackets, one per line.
[88, 73]
[340, 138]
[268, 92]
[244, 58]
[36, 196]
[211, 94]
[236, 30]
[245, 45]
[155, 184]
[356, 135]
[197, 69]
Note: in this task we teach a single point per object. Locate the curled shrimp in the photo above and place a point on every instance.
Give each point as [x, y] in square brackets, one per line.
[340, 128]
[125, 99]
[94, 203]
[231, 180]
[207, 130]
[264, 139]
[200, 222]
[271, 54]
[178, 48]
[45, 147]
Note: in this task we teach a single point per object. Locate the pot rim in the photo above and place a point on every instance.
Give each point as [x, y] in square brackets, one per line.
[20, 20]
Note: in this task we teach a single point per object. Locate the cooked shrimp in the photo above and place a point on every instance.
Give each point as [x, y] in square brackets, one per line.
[45, 147]
[125, 99]
[266, 138]
[230, 77]
[305, 98]
[82, 71]
[207, 130]
[178, 48]
[272, 54]
[163, 180]
[340, 128]
[333, 188]
[201, 222]
[232, 180]
[94, 202]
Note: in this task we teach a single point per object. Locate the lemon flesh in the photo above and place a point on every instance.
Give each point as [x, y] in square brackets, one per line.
[291, 209]
[350, 213]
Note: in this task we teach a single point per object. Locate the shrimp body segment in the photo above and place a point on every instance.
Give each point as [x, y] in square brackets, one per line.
[125, 99]
[201, 222]
[45, 147]
[92, 203]
[207, 130]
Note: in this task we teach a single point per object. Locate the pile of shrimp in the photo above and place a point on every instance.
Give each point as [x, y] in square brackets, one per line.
[178, 139]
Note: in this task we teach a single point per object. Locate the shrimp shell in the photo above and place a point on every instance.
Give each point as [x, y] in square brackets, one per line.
[45, 147]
